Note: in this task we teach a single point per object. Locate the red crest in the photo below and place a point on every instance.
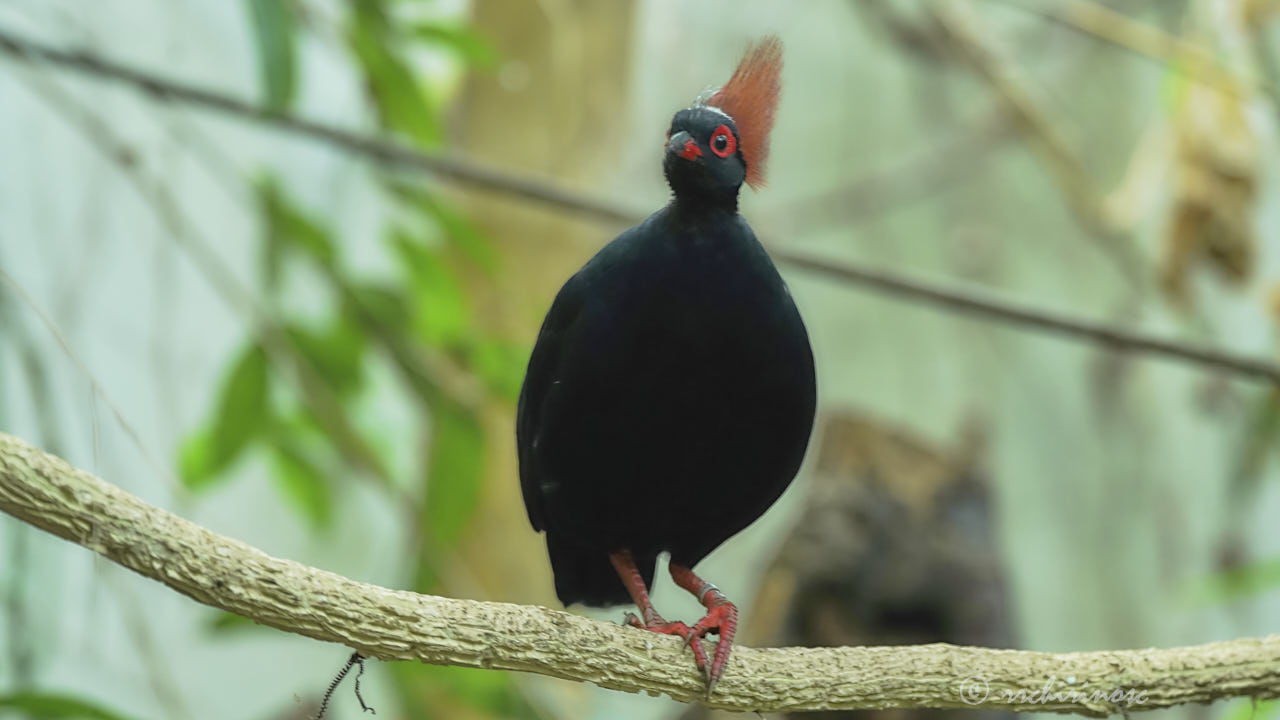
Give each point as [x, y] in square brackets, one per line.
[751, 99]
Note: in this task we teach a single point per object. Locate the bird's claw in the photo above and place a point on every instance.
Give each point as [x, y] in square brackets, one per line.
[691, 636]
[658, 625]
[721, 619]
[693, 641]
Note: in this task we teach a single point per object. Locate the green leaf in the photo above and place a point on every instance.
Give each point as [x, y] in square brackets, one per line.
[384, 303]
[196, 463]
[442, 316]
[1175, 84]
[273, 30]
[54, 706]
[273, 251]
[242, 413]
[441, 687]
[455, 470]
[1237, 583]
[1247, 709]
[336, 352]
[289, 227]
[467, 43]
[457, 228]
[302, 483]
[242, 410]
[221, 623]
[500, 364]
[401, 103]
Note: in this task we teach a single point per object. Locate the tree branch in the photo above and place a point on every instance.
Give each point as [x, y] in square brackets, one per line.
[951, 299]
[973, 300]
[387, 153]
[46, 492]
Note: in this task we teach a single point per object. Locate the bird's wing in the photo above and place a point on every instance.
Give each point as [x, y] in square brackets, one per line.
[539, 380]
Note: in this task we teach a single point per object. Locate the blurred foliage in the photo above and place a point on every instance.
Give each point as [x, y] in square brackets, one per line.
[241, 414]
[274, 32]
[223, 622]
[456, 453]
[380, 47]
[52, 706]
[468, 44]
[1251, 710]
[457, 692]
[1237, 583]
[285, 384]
[1260, 443]
[1259, 446]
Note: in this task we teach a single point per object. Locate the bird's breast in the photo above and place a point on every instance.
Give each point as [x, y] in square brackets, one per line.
[687, 367]
[701, 334]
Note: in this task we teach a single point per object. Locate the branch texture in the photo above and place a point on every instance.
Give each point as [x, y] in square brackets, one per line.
[46, 492]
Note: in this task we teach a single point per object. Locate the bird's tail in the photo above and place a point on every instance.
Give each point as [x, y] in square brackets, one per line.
[587, 577]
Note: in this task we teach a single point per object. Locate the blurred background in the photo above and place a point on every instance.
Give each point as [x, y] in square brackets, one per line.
[276, 265]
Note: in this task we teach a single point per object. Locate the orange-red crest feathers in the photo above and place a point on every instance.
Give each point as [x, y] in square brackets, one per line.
[751, 99]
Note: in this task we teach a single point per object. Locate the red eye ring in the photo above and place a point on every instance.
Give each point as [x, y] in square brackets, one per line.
[723, 143]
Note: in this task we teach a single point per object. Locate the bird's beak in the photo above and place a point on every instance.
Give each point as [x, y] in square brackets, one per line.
[684, 145]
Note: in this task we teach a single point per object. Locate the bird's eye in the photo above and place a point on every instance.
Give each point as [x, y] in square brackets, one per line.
[723, 143]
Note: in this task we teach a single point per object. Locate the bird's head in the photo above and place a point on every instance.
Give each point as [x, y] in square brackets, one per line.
[722, 140]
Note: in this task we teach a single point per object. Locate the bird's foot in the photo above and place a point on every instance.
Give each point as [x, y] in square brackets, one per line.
[656, 624]
[721, 619]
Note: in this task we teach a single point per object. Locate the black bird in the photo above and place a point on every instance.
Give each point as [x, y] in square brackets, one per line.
[670, 395]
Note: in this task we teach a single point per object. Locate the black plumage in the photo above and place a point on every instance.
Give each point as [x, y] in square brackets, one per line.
[670, 395]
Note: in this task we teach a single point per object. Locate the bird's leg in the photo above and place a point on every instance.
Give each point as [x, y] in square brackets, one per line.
[721, 618]
[625, 566]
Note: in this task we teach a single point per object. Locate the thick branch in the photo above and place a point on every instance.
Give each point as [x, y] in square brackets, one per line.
[45, 491]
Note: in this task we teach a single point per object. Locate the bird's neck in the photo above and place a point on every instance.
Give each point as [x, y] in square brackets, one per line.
[704, 205]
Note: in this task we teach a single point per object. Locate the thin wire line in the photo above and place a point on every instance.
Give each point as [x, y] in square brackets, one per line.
[160, 468]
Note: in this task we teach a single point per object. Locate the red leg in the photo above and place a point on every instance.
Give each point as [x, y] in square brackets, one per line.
[625, 566]
[721, 618]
